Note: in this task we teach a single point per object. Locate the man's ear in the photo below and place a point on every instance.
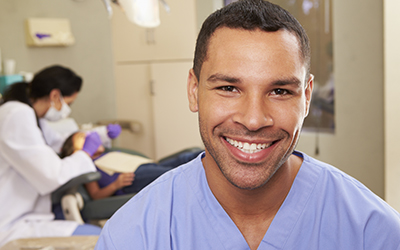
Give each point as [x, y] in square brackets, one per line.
[308, 92]
[192, 91]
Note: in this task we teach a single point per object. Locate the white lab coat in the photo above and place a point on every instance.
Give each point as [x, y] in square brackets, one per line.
[29, 171]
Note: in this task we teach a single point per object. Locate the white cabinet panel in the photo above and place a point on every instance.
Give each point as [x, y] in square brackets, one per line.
[164, 56]
[133, 102]
[173, 39]
[175, 126]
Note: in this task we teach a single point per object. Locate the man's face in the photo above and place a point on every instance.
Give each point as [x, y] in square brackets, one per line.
[252, 99]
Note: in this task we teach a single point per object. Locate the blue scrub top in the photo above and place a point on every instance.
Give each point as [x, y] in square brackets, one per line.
[325, 209]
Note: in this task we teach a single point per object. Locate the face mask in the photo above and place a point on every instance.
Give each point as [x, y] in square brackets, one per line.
[54, 115]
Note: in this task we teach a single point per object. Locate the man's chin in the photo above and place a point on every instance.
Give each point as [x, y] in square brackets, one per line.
[247, 186]
[247, 177]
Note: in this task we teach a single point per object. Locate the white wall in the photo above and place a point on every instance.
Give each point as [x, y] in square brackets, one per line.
[204, 8]
[392, 102]
[90, 57]
[357, 147]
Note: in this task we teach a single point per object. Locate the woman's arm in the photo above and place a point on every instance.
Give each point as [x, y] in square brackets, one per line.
[95, 192]
[24, 149]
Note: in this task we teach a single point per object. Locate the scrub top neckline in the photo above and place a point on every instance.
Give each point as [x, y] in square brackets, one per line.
[283, 222]
[293, 206]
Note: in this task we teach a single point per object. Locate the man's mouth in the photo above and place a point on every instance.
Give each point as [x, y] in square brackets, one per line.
[249, 148]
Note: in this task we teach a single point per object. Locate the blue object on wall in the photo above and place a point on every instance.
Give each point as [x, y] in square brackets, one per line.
[7, 80]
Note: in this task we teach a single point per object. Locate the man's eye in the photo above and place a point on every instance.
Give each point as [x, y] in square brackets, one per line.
[280, 92]
[228, 88]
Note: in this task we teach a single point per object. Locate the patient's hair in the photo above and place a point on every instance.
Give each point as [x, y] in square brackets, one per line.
[68, 148]
[250, 15]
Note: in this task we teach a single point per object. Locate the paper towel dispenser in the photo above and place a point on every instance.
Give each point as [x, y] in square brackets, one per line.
[48, 32]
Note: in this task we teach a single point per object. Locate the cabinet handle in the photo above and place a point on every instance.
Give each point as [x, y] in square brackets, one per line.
[152, 92]
[150, 38]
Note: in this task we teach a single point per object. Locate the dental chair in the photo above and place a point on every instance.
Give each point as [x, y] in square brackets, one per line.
[78, 206]
[76, 203]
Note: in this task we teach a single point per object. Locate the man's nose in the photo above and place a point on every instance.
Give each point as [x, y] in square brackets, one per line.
[254, 112]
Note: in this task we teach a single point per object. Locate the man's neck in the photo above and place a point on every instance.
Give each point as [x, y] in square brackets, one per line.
[253, 210]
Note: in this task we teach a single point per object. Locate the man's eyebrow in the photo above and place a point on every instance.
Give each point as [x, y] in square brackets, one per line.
[279, 82]
[224, 78]
[289, 81]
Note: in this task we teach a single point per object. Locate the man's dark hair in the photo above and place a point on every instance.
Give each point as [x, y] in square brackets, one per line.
[250, 15]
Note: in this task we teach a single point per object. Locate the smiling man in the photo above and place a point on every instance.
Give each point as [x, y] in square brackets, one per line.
[251, 87]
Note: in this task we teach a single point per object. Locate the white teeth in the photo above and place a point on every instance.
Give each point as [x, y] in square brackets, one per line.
[247, 147]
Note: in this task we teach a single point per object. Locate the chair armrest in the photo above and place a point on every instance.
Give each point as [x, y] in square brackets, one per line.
[104, 208]
[133, 126]
[72, 185]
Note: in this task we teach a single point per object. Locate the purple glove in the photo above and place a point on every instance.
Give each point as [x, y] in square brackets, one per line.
[92, 143]
[113, 130]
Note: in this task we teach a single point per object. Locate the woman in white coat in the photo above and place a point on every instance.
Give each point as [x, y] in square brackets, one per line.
[29, 168]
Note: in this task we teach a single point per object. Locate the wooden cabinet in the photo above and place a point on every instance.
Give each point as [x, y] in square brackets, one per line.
[151, 68]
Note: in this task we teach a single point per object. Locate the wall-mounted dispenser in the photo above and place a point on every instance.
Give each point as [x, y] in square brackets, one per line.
[48, 32]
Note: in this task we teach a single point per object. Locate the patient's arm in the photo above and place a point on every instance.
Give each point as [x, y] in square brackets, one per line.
[95, 192]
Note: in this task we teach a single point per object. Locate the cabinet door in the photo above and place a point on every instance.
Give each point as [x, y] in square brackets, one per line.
[133, 101]
[173, 39]
[175, 126]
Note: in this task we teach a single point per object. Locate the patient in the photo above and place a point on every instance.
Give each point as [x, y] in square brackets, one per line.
[124, 183]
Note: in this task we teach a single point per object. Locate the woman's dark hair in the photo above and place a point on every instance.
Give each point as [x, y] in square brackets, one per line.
[250, 15]
[68, 147]
[17, 92]
[54, 77]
